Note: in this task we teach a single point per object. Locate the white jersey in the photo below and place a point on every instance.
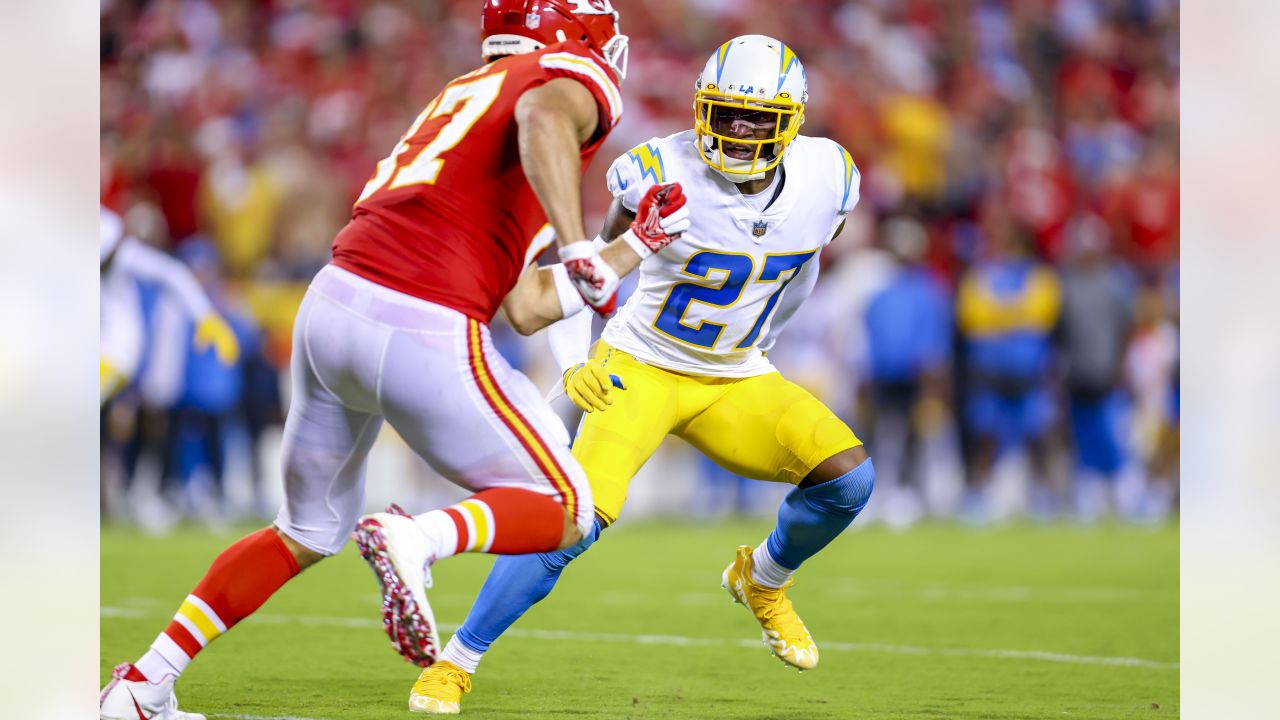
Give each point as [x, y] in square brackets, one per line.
[126, 261]
[714, 301]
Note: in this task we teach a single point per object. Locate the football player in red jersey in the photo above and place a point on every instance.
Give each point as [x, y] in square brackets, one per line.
[396, 328]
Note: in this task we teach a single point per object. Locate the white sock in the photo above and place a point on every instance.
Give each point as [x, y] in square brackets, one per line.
[765, 570]
[441, 530]
[461, 655]
[163, 659]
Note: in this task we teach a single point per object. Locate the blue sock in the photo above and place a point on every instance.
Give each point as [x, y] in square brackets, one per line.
[812, 517]
[515, 584]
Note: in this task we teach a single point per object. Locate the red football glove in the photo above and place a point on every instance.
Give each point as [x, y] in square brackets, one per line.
[591, 276]
[661, 217]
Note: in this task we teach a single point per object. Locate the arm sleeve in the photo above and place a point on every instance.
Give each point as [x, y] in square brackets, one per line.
[570, 339]
[594, 77]
[149, 264]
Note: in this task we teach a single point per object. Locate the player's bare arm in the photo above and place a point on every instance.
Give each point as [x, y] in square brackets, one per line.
[555, 120]
[616, 222]
[534, 303]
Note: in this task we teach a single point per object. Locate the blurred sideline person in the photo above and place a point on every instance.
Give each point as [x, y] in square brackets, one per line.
[396, 328]
[125, 262]
[908, 336]
[1007, 308]
[183, 405]
[211, 411]
[1097, 297]
[686, 355]
[1151, 373]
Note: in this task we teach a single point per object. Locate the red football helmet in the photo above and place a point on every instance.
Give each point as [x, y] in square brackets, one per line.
[511, 27]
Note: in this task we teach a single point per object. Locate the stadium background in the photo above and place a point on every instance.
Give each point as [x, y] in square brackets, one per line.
[236, 134]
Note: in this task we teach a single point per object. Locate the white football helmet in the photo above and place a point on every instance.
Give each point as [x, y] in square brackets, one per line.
[749, 106]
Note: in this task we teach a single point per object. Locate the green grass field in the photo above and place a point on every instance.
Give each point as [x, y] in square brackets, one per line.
[939, 622]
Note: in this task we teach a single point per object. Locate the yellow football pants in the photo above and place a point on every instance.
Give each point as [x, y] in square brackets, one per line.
[763, 427]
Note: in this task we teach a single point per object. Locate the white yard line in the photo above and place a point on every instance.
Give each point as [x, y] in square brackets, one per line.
[683, 641]
[236, 716]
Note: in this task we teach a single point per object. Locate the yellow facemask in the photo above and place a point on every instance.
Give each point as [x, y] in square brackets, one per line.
[788, 115]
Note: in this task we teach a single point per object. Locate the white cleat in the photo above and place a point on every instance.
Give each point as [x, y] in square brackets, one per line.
[399, 552]
[138, 699]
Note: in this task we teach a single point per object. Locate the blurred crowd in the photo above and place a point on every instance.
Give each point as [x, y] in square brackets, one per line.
[998, 320]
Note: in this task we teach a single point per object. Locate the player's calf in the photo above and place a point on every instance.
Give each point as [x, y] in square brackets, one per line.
[811, 516]
[304, 556]
[572, 534]
[515, 584]
[236, 585]
[401, 549]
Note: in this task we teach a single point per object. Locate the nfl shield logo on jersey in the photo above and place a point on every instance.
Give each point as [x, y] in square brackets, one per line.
[759, 228]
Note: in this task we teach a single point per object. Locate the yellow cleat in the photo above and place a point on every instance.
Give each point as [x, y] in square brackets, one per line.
[783, 631]
[439, 689]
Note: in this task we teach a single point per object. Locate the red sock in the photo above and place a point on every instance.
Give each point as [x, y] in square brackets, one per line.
[503, 521]
[238, 582]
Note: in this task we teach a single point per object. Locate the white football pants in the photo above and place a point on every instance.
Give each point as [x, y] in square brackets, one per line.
[363, 352]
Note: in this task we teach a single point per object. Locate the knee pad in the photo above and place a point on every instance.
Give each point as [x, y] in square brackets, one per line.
[845, 495]
[557, 560]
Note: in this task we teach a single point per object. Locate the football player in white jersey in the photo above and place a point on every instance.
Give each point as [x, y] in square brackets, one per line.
[125, 262]
[686, 355]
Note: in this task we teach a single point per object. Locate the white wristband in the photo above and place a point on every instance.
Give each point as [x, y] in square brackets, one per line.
[570, 299]
[637, 246]
[577, 251]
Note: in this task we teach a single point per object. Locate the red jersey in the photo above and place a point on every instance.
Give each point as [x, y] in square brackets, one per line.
[449, 217]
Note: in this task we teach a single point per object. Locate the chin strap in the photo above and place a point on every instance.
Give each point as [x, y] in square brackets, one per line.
[717, 157]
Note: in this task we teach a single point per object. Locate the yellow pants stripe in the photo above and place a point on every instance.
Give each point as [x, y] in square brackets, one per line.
[511, 417]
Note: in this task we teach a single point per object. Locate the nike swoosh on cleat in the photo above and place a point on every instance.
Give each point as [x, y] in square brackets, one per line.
[622, 184]
[136, 706]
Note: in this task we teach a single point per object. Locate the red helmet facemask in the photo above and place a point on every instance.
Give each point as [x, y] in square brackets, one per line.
[511, 27]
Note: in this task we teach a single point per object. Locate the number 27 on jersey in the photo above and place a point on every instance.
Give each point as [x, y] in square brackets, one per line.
[737, 269]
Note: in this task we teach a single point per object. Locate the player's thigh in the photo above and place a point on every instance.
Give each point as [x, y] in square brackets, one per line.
[768, 428]
[326, 441]
[614, 443]
[482, 424]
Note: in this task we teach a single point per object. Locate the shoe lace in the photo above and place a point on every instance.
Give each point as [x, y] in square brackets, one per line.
[442, 677]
